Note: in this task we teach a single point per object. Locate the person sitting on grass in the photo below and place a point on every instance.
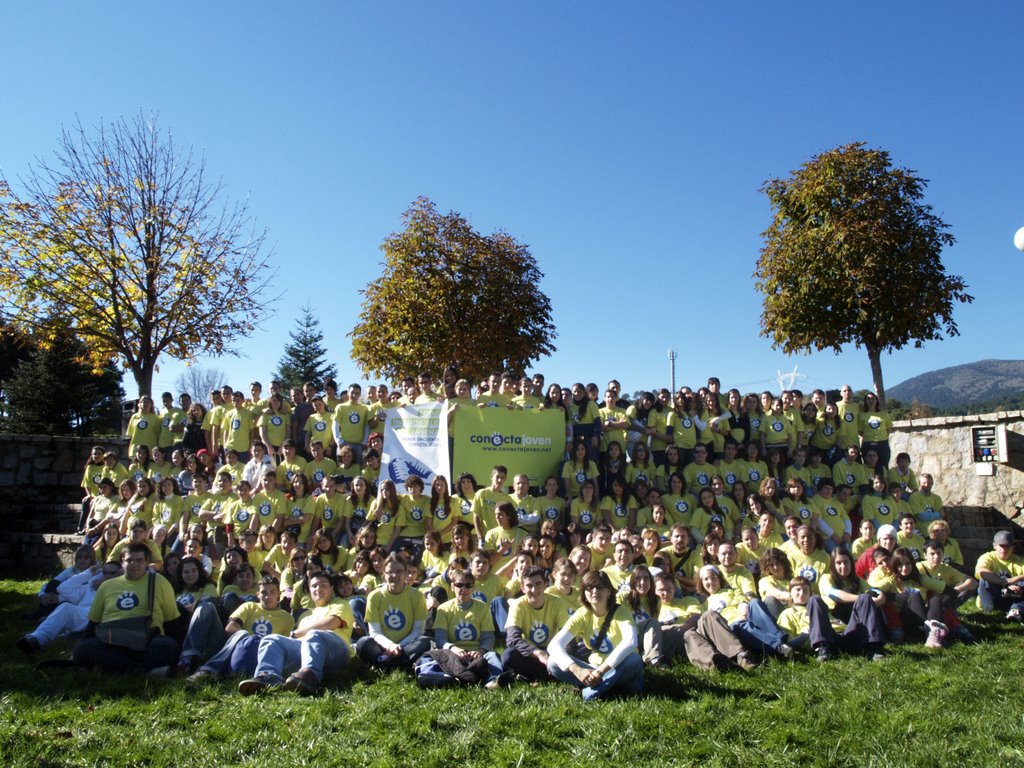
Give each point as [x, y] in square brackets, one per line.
[248, 625]
[319, 644]
[76, 595]
[126, 597]
[959, 588]
[395, 617]
[533, 620]
[807, 620]
[607, 636]
[1000, 575]
[464, 626]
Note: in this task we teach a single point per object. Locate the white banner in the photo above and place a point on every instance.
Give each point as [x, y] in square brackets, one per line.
[415, 443]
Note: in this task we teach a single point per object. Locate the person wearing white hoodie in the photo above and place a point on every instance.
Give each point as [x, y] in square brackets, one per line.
[72, 613]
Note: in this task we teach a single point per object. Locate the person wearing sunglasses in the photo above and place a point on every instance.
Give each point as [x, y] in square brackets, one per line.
[609, 637]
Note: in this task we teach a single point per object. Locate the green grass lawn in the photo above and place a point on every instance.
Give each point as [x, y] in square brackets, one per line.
[958, 707]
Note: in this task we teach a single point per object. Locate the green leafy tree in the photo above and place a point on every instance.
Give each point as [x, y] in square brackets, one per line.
[123, 240]
[305, 357]
[450, 295]
[853, 256]
[52, 393]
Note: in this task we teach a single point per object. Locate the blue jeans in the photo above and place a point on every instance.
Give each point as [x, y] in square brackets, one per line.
[992, 598]
[627, 676]
[205, 634]
[319, 651]
[758, 632]
[223, 661]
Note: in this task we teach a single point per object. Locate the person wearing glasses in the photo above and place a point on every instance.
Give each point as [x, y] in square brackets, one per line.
[609, 637]
[464, 626]
[395, 617]
[124, 597]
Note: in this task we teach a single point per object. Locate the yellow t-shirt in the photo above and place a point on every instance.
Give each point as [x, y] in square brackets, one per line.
[395, 613]
[538, 625]
[122, 598]
[464, 626]
[584, 625]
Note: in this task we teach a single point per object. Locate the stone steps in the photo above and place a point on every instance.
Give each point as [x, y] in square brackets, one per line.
[37, 551]
[40, 518]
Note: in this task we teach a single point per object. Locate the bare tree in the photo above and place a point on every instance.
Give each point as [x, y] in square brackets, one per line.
[199, 382]
[124, 242]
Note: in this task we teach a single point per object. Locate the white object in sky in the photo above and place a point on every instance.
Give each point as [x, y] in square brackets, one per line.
[1018, 239]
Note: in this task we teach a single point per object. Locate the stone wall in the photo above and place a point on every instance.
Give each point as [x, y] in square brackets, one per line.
[942, 447]
[39, 468]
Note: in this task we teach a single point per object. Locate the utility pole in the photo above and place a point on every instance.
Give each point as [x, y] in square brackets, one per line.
[672, 369]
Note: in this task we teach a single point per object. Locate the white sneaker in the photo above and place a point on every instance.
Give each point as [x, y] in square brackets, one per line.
[1013, 614]
[937, 632]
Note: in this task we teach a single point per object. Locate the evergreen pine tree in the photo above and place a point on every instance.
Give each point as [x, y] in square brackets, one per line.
[305, 357]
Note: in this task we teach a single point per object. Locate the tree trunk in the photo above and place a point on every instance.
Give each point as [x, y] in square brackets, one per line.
[875, 356]
[143, 373]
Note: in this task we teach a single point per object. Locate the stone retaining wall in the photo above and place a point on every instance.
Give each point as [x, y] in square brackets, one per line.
[39, 468]
[942, 447]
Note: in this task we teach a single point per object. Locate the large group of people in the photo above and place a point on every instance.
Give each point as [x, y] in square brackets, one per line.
[256, 538]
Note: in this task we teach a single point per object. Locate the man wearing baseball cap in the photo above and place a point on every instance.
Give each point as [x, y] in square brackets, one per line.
[1000, 575]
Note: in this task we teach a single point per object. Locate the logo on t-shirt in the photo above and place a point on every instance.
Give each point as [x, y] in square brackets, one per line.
[848, 416]
[464, 631]
[586, 517]
[874, 422]
[320, 426]
[539, 633]
[261, 628]
[606, 644]
[353, 418]
[143, 423]
[394, 618]
[243, 515]
[581, 477]
[276, 421]
[809, 572]
[328, 513]
[883, 509]
[127, 600]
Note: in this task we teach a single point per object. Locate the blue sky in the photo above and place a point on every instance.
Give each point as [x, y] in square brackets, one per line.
[624, 143]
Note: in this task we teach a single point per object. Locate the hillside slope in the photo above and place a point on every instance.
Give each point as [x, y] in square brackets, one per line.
[962, 384]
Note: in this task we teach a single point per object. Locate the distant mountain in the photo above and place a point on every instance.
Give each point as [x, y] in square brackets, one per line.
[984, 380]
